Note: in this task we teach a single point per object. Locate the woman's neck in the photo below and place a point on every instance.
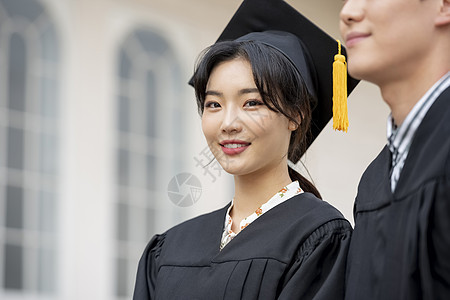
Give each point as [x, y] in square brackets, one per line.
[253, 190]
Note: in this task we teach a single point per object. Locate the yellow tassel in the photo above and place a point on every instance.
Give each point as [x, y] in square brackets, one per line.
[340, 114]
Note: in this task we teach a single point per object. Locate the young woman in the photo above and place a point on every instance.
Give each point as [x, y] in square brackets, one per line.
[276, 239]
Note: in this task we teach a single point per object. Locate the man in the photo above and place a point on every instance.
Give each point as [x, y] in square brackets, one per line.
[400, 247]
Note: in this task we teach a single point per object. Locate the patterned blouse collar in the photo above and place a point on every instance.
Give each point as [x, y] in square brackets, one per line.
[282, 195]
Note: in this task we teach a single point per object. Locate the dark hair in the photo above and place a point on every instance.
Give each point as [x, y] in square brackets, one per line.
[280, 84]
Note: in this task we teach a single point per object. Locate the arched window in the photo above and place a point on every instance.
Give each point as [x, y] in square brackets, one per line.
[149, 126]
[29, 151]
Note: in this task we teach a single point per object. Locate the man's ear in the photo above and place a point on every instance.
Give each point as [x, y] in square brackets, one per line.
[443, 17]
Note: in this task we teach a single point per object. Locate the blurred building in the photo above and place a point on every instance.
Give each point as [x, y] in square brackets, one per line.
[96, 119]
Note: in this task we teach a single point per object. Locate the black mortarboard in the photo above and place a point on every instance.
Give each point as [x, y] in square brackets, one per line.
[312, 55]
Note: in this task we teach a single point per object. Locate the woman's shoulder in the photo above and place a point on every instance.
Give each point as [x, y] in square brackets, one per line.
[201, 229]
[324, 219]
[188, 227]
[329, 226]
[192, 242]
[330, 232]
[313, 207]
[196, 223]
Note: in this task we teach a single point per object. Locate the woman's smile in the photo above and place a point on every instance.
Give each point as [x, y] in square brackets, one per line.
[233, 147]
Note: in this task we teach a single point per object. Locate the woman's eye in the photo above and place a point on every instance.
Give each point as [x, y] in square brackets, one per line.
[252, 103]
[212, 104]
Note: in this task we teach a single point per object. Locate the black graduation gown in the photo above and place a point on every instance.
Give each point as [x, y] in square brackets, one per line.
[400, 247]
[296, 250]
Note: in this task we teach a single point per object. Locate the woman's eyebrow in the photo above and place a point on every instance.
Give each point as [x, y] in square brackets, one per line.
[213, 93]
[248, 91]
[240, 92]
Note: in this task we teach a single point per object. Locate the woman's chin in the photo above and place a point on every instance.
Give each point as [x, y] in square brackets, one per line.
[234, 170]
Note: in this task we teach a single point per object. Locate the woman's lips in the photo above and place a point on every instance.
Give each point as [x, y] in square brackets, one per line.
[234, 147]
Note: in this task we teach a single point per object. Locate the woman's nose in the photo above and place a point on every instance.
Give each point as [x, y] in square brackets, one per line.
[232, 121]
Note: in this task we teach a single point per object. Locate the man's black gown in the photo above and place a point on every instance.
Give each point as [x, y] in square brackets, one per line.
[400, 247]
[296, 250]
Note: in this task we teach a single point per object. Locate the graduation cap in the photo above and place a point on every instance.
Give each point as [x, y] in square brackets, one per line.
[277, 24]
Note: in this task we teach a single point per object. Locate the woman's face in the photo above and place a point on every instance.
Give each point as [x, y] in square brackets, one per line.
[244, 135]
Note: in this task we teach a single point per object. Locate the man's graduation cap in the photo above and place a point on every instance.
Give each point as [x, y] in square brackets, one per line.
[311, 50]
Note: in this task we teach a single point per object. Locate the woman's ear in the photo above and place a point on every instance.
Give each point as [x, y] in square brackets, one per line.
[295, 123]
[292, 126]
